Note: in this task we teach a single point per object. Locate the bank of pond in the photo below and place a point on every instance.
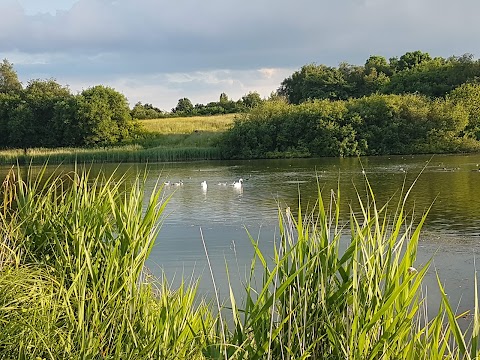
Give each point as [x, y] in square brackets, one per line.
[73, 282]
[377, 124]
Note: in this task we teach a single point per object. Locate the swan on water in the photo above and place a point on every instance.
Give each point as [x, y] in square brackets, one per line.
[204, 185]
[180, 183]
[238, 184]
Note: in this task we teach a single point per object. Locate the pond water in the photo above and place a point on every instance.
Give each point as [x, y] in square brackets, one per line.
[224, 214]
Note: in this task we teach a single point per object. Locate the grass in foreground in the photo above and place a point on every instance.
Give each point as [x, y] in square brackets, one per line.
[72, 284]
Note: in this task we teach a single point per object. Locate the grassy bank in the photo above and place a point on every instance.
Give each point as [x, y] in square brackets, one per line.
[73, 283]
[171, 139]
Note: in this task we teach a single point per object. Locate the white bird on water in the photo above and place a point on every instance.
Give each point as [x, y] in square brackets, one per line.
[204, 185]
[238, 184]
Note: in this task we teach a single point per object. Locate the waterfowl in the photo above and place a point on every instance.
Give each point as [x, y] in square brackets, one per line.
[204, 185]
[222, 184]
[167, 183]
[180, 183]
[238, 184]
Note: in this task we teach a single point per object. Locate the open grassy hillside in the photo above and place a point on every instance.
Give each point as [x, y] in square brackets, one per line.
[197, 131]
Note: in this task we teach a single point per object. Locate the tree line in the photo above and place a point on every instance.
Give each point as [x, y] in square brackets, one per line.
[413, 72]
[47, 114]
[408, 104]
[185, 107]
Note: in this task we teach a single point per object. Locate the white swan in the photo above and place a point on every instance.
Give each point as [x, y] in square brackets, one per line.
[238, 184]
[222, 184]
[180, 183]
[204, 185]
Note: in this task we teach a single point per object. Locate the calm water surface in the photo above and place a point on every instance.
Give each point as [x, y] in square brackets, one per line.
[224, 214]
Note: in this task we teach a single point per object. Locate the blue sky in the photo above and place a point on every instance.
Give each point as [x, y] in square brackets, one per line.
[157, 51]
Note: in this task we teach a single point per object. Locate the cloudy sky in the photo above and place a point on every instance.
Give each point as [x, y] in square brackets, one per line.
[157, 51]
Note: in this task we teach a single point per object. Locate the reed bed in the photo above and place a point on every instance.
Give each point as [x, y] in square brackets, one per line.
[124, 154]
[73, 283]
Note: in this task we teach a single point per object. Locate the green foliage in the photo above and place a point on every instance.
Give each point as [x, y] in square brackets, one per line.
[184, 107]
[105, 116]
[468, 96]
[9, 83]
[251, 100]
[434, 78]
[373, 125]
[314, 82]
[413, 72]
[146, 111]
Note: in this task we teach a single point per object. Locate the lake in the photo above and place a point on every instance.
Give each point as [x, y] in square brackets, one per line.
[223, 214]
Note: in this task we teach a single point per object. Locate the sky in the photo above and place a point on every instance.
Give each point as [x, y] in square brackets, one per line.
[158, 51]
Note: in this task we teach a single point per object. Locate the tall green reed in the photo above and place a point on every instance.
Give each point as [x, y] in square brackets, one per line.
[83, 243]
[328, 295]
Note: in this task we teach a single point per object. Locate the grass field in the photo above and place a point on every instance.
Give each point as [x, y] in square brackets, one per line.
[188, 125]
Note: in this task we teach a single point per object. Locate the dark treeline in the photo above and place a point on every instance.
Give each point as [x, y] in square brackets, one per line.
[47, 114]
[411, 104]
[186, 108]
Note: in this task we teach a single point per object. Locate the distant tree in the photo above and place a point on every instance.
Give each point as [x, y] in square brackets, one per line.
[33, 122]
[184, 106]
[9, 82]
[412, 59]
[251, 100]
[8, 104]
[104, 116]
[146, 111]
[468, 96]
[377, 64]
[223, 98]
[314, 82]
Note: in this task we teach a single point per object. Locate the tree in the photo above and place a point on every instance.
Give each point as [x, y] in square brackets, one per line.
[251, 100]
[9, 83]
[223, 98]
[378, 64]
[33, 121]
[412, 58]
[314, 82]
[184, 106]
[104, 116]
[468, 96]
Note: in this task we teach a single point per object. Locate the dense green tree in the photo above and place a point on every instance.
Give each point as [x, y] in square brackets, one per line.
[184, 106]
[434, 78]
[32, 123]
[251, 100]
[8, 103]
[314, 82]
[468, 97]
[104, 116]
[146, 111]
[411, 59]
[9, 82]
[378, 64]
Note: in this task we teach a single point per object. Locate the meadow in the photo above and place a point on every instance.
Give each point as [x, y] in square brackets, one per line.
[169, 139]
[73, 282]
